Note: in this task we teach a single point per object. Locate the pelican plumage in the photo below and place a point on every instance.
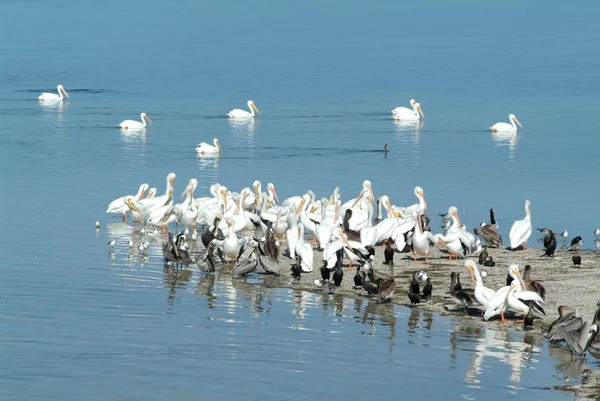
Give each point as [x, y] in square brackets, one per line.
[53, 97]
[304, 250]
[521, 229]
[119, 206]
[406, 114]
[421, 240]
[132, 124]
[204, 148]
[239, 113]
[506, 127]
[482, 293]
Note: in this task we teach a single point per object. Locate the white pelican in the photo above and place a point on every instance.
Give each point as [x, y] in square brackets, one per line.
[405, 114]
[521, 229]
[119, 205]
[205, 149]
[292, 233]
[132, 124]
[417, 208]
[304, 250]
[505, 127]
[482, 293]
[53, 97]
[239, 113]
[519, 301]
[421, 239]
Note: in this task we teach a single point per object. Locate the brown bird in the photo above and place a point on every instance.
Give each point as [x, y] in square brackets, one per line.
[533, 285]
[577, 261]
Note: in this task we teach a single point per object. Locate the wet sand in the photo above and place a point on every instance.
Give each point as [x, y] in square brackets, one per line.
[564, 283]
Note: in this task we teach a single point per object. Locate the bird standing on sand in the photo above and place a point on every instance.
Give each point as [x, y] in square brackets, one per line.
[564, 235]
[388, 252]
[576, 244]
[576, 260]
[357, 278]
[551, 246]
[489, 262]
[297, 268]
[528, 318]
[427, 289]
[483, 255]
[459, 297]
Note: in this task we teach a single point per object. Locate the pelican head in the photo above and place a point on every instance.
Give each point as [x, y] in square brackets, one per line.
[413, 102]
[271, 188]
[151, 193]
[132, 206]
[527, 207]
[252, 105]
[171, 178]
[512, 117]
[144, 115]
[420, 110]
[62, 89]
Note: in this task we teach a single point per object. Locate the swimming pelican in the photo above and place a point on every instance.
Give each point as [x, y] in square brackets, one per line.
[405, 114]
[505, 127]
[239, 113]
[521, 229]
[399, 111]
[205, 149]
[53, 97]
[132, 124]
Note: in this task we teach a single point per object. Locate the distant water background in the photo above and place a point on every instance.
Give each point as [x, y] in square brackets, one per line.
[325, 76]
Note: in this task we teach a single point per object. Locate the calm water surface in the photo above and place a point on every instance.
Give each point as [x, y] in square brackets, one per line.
[76, 322]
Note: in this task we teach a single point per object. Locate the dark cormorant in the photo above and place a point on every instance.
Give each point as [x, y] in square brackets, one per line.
[528, 318]
[357, 278]
[483, 255]
[427, 289]
[297, 268]
[576, 260]
[369, 286]
[551, 245]
[459, 297]
[388, 252]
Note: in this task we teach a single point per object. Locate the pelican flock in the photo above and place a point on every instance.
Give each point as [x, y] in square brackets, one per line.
[247, 230]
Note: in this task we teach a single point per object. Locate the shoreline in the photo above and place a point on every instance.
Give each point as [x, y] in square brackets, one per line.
[565, 285]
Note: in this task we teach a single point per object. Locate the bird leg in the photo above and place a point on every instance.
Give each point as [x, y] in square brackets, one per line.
[124, 218]
[502, 317]
[164, 229]
[414, 255]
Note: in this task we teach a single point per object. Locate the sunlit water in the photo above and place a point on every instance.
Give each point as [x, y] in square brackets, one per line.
[325, 76]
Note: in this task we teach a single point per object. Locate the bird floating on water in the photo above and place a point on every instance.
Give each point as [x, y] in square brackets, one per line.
[205, 149]
[53, 97]
[239, 113]
[97, 225]
[132, 124]
[406, 114]
[506, 127]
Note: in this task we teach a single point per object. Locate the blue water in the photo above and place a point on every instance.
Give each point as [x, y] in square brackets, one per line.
[325, 77]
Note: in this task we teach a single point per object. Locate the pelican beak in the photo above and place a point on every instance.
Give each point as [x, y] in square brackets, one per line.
[518, 274]
[143, 192]
[299, 209]
[330, 200]
[371, 191]
[518, 122]
[470, 269]
[357, 199]
[255, 108]
[343, 237]
[419, 221]
[133, 207]
[148, 118]
[224, 194]
[184, 191]
[389, 208]
[275, 194]
[219, 145]
[65, 92]
[421, 111]
[455, 214]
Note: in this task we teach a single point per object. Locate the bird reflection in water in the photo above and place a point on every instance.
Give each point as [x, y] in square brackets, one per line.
[408, 131]
[507, 139]
[205, 287]
[208, 161]
[495, 343]
[175, 279]
[243, 127]
[569, 364]
[300, 300]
